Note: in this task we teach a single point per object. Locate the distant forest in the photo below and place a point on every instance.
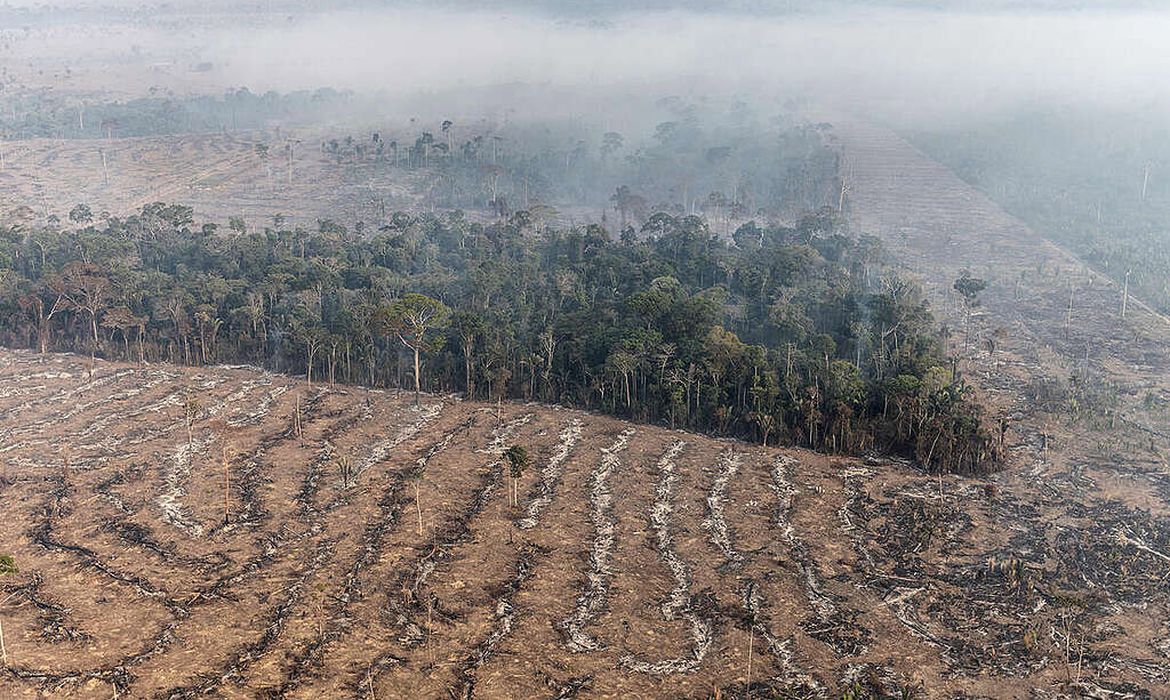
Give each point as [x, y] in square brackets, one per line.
[1096, 183]
[728, 168]
[47, 114]
[729, 164]
[781, 334]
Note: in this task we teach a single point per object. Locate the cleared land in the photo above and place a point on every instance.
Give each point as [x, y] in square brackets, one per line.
[1088, 475]
[219, 175]
[410, 576]
[323, 542]
[634, 564]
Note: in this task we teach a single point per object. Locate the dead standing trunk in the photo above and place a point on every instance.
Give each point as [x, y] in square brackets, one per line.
[467, 349]
[93, 327]
[417, 382]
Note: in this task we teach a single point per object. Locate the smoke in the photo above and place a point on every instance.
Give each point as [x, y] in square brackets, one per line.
[910, 67]
[903, 66]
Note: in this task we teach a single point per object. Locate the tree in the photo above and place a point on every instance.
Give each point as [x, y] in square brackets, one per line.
[123, 320]
[969, 287]
[446, 128]
[611, 142]
[34, 305]
[621, 364]
[86, 288]
[413, 318]
[191, 409]
[627, 203]
[518, 460]
[208, 322]
[173, 306]
[81, 214]
[468, 327]
[314, 338]
[766, 423]
[748, 236]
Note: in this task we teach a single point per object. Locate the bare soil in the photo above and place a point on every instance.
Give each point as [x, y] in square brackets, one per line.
[241, 560]
[219, 175]
[831, 571]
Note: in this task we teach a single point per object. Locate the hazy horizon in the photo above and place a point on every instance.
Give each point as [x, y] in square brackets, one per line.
[908, 66]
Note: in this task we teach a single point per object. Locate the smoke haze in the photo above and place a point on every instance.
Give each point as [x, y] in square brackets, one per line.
[907, 66]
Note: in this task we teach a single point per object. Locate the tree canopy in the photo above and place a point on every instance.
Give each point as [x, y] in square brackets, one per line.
[783, 334]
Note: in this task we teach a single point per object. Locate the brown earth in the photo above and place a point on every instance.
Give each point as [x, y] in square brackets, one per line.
[416, 577]
[219, 175]
[637, 561]
[1087, 480]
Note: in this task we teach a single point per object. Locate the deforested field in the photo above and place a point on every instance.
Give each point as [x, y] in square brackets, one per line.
[224, 532]
[219, 175]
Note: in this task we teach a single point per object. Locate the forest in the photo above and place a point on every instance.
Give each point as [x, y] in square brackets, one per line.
[1093, 180]
[797, 335]
[729, 162]
[545, 348]
[44, 113]
[727, 166]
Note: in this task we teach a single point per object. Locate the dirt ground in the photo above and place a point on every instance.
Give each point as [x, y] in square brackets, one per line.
[1083, 503]
[337, 542]
[297, 541]
[219, 175]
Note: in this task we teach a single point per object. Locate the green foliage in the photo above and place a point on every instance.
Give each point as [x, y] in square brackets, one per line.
[1095, 181]
[794, 335]
[969, 288]
[518, 460]
[413, 318]
[8, 565]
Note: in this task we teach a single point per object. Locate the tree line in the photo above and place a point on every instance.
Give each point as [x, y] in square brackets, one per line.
[727, 165]
[1093, 181]
[45, 113]
[782, 334]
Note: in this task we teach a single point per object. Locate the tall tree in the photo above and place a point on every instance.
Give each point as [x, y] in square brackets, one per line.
[414, 319]
[33, 304]
[87, 289]
[969, 288]
[468, 327]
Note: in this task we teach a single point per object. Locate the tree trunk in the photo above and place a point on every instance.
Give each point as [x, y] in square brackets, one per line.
[417, 382]
[309, 370]
[467, 370]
